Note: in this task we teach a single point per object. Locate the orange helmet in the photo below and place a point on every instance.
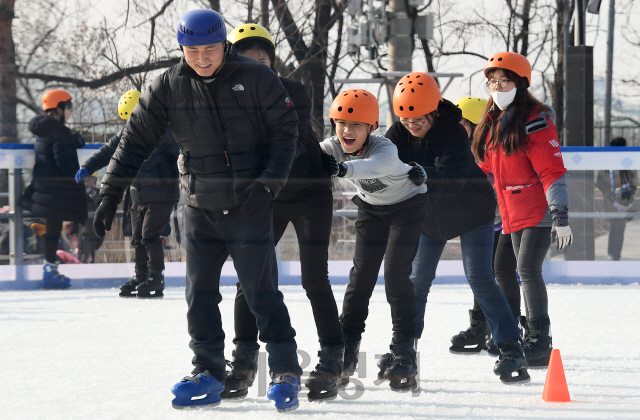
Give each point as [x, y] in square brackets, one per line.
[416, 94]
[52, 98]
[356, 105]
[515, 62]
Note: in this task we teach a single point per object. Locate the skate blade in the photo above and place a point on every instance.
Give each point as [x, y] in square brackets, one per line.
[538, 364]
[127, 296]
[157, 295]
[522, 377]
[287, 409]
[466, 350]
[192, 404]
[404, 385]
[234, 395]
[343, 382]
[322, 395]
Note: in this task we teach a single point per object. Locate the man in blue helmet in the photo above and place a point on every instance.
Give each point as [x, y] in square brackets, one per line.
[237, 130]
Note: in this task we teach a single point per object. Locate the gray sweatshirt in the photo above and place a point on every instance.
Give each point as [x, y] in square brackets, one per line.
[378, 174]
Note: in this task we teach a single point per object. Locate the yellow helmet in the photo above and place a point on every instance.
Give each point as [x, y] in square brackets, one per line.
[472, 108]
[249, 30]
[127, 102]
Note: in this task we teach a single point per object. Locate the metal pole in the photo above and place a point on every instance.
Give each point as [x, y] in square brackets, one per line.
[400, 47]
[565, 73]
[607, 90]
[16, 235]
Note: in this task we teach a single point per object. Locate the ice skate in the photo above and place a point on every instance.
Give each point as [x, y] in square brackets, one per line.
[129, 288]
[402, 368]
[351, 353]
[474, 338]
[52, 279]
[323, 381]
[243, 371]
[537, 344]
[152, 287]
[510, 361]
[283, 390]
[197, 390]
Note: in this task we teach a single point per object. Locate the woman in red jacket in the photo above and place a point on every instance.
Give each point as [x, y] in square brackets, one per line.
[517, 143]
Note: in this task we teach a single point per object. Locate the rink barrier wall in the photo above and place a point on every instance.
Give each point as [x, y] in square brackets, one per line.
[90, 276]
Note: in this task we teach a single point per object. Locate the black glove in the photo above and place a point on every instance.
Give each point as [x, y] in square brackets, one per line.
[258, 200]
[417, 174]
[332, 166]
[104, 214]
[80, 141]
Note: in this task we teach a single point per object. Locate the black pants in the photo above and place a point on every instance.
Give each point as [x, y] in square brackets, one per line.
[505, 272]
[311, 217]
[531, 246]
[211, 236]
[51, 239]
[616, 238]
[147, 226]
[390, 232]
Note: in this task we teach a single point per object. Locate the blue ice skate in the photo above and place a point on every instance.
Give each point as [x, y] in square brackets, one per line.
[283, 390]
[52, 279]
[199, 389]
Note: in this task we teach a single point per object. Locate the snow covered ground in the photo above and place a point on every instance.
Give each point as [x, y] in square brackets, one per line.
[88, 354]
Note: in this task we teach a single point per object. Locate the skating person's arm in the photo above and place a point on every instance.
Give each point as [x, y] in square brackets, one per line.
[139, 138]
[102, 157]
[66, 157]
[281, 124]
[300, 97]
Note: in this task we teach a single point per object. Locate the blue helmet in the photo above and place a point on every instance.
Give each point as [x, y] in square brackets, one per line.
[201, 27]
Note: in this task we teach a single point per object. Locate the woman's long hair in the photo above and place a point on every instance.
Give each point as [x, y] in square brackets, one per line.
[515, 135]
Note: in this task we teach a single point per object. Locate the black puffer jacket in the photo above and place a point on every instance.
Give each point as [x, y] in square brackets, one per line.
[459, 194]
[158, 179]
[53, 192]
[245, 132]
[307, 173]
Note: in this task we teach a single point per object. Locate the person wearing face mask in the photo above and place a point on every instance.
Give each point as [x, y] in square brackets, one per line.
[306, 201]
[391, 207]
[460, 203]
[53, 192]
[516, 143]
[477, 337]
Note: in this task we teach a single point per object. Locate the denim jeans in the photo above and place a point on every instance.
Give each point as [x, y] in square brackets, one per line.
[477, 249]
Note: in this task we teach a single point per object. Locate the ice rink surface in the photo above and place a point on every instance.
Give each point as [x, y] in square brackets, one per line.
[88, 354]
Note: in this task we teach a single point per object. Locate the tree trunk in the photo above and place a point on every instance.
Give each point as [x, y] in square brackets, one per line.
[215, 5]
[558, 94]
[8, 72]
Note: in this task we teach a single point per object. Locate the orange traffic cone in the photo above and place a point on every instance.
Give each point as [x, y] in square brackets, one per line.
[555, 386]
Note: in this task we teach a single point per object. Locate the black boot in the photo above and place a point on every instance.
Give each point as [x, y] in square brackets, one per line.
[493, 350]
[510, 361]
[128, 289]
[243, 370]
[323, 381]
[537, 345]
[152, 287]
[402, 369]
[473, 340]
[351, 353]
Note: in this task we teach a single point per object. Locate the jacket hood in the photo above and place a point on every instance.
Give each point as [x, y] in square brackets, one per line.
[448, 113]
[42, 124]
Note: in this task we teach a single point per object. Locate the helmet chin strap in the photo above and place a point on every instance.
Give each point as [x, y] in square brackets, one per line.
[361, 150]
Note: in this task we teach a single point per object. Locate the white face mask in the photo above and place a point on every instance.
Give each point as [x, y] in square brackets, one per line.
[504, 99]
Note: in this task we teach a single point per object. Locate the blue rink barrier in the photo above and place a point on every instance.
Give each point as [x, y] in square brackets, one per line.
[89, 276]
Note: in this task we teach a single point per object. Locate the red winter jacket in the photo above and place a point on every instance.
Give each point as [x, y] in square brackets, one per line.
[522, 179]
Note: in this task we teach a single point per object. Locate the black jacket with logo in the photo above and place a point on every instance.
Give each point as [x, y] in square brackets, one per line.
[459, 195]
[245, 132]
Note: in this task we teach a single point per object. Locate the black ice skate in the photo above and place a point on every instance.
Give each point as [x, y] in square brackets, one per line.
[510, 361]
[351, 353]
[323, 381]
[243, 371]
[402, 369]
[129, 288]
[152, 287]
[474, 338]
[537, 344]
